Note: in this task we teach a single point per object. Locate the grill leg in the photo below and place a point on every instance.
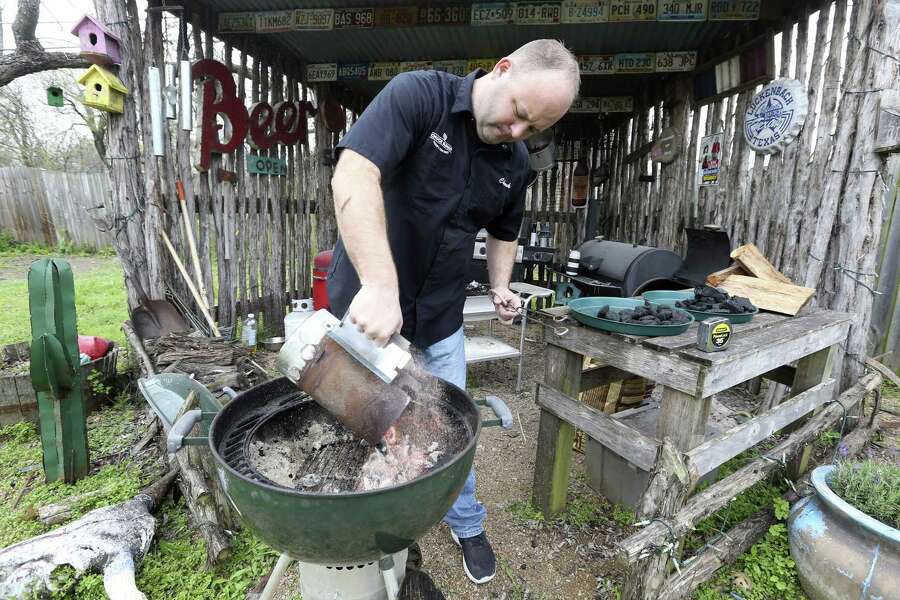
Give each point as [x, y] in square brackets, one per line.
[284, 561]
[386, 565]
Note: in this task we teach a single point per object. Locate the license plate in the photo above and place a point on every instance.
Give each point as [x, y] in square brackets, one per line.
[675, 61]
[611, 104]
[734, 10]
[536, 13]
[312, 19]
[321, 72]
[398, 16]
[682, 10]
[597, 64]
[586, 105]
[640, 62]
[454, 67]
[452, 14]
[274, 21]
[415, 65]
[481, 63]
[492, 13]
[383, 71]
[237, 22]
[353, 71]
[632, 10]
[354, 18]
[585, 11]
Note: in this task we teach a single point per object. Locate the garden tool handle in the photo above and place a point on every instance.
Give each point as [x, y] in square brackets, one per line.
[500, 409]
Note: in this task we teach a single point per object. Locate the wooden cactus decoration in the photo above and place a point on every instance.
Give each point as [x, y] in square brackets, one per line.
[56, 373]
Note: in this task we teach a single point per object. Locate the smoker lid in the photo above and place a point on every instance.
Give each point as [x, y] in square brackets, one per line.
[708, 251]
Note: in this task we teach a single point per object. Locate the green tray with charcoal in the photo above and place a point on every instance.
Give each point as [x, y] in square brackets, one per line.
[630, 316]
[708, 302]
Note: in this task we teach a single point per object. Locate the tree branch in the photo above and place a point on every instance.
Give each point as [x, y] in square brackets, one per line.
[30, 56]
[25, 62]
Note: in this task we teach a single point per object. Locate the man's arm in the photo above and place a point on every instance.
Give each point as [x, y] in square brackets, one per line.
[501, 256]
[359, 208]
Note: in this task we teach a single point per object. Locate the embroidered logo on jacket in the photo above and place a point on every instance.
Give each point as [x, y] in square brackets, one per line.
[504, 182]
[441, 143]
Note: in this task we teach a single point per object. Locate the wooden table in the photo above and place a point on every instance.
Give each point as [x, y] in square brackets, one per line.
[766, 347]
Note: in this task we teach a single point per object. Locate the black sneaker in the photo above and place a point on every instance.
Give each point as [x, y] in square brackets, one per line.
[479, 562]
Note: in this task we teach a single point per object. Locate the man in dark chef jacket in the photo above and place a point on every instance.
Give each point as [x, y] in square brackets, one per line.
[432, 160]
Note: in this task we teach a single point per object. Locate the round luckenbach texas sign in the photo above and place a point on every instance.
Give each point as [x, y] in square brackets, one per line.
[775, 116]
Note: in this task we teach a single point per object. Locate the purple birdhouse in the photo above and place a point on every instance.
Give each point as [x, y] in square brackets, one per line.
[98, 44]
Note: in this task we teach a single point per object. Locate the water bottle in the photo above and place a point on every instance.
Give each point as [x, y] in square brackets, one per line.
[248, 332]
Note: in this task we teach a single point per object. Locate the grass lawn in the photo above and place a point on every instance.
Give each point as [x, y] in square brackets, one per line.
[100, 299]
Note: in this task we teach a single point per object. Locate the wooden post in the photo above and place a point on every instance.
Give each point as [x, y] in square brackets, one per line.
[682, 418]
[665, 495]
[562, 371]
[811, 371]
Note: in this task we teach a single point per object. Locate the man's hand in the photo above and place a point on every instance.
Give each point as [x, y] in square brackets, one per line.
[507, 304]
[376, 311]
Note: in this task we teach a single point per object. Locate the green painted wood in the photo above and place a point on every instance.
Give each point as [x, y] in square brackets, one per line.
[562, 371]
[55, 371]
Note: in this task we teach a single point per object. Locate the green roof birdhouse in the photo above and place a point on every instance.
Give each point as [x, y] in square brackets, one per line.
[54, 96]
[103, 90]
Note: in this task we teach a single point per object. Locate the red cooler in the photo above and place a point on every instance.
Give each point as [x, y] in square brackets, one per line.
[321, 263]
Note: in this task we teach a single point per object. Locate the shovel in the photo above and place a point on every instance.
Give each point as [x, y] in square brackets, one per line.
[156, 318]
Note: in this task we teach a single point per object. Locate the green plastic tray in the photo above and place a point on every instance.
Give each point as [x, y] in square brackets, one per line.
[670, 297]
[584, 310]
[665, 296]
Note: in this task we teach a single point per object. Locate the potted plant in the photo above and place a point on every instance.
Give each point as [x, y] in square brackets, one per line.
[845, 538]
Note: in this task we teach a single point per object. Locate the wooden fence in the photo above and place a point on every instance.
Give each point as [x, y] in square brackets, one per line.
[50, 208]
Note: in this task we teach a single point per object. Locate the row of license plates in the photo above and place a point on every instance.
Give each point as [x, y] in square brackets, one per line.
[590, 64]
[490, 13]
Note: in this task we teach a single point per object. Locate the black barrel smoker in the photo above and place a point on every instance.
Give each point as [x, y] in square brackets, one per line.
[608, 268]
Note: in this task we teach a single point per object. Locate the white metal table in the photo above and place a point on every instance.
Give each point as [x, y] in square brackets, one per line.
[488, 348]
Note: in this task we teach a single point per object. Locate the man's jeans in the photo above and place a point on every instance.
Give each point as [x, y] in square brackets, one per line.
[447, 359]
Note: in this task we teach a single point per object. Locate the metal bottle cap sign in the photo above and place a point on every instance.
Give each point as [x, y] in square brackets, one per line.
[775, 116]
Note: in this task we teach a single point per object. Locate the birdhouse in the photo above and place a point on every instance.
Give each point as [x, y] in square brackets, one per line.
[103, 90]
[54, 96]
[99, 45]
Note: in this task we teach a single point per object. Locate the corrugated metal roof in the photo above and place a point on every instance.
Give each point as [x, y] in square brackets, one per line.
[462, 41]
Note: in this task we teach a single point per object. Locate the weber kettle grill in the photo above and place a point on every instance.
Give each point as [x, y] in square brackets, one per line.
[350, 542]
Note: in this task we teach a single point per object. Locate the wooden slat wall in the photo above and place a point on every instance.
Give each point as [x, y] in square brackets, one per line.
[253, 235]
[817, 205]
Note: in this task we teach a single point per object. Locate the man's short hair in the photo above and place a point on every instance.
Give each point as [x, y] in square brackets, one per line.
[550, 55]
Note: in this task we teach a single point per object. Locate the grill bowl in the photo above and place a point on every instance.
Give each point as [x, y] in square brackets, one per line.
[350, 528]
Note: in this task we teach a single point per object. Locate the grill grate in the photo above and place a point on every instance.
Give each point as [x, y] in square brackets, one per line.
[233, 447]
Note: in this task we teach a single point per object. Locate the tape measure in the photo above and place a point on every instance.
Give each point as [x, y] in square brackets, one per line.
[714, 334]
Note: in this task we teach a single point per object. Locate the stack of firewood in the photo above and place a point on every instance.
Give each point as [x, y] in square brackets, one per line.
[753, 276]
[216, 362]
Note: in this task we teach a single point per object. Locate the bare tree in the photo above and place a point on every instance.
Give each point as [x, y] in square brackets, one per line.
[30, 56]
[18, 141]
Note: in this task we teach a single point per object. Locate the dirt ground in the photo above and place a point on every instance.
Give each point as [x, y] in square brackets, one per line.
[12, 267]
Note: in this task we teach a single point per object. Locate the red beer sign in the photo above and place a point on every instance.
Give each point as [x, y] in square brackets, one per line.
[284, 123]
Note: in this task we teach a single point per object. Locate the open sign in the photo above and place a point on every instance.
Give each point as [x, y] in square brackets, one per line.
[266, 165]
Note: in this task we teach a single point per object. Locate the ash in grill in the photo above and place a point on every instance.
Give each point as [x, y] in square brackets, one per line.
[299, 445]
